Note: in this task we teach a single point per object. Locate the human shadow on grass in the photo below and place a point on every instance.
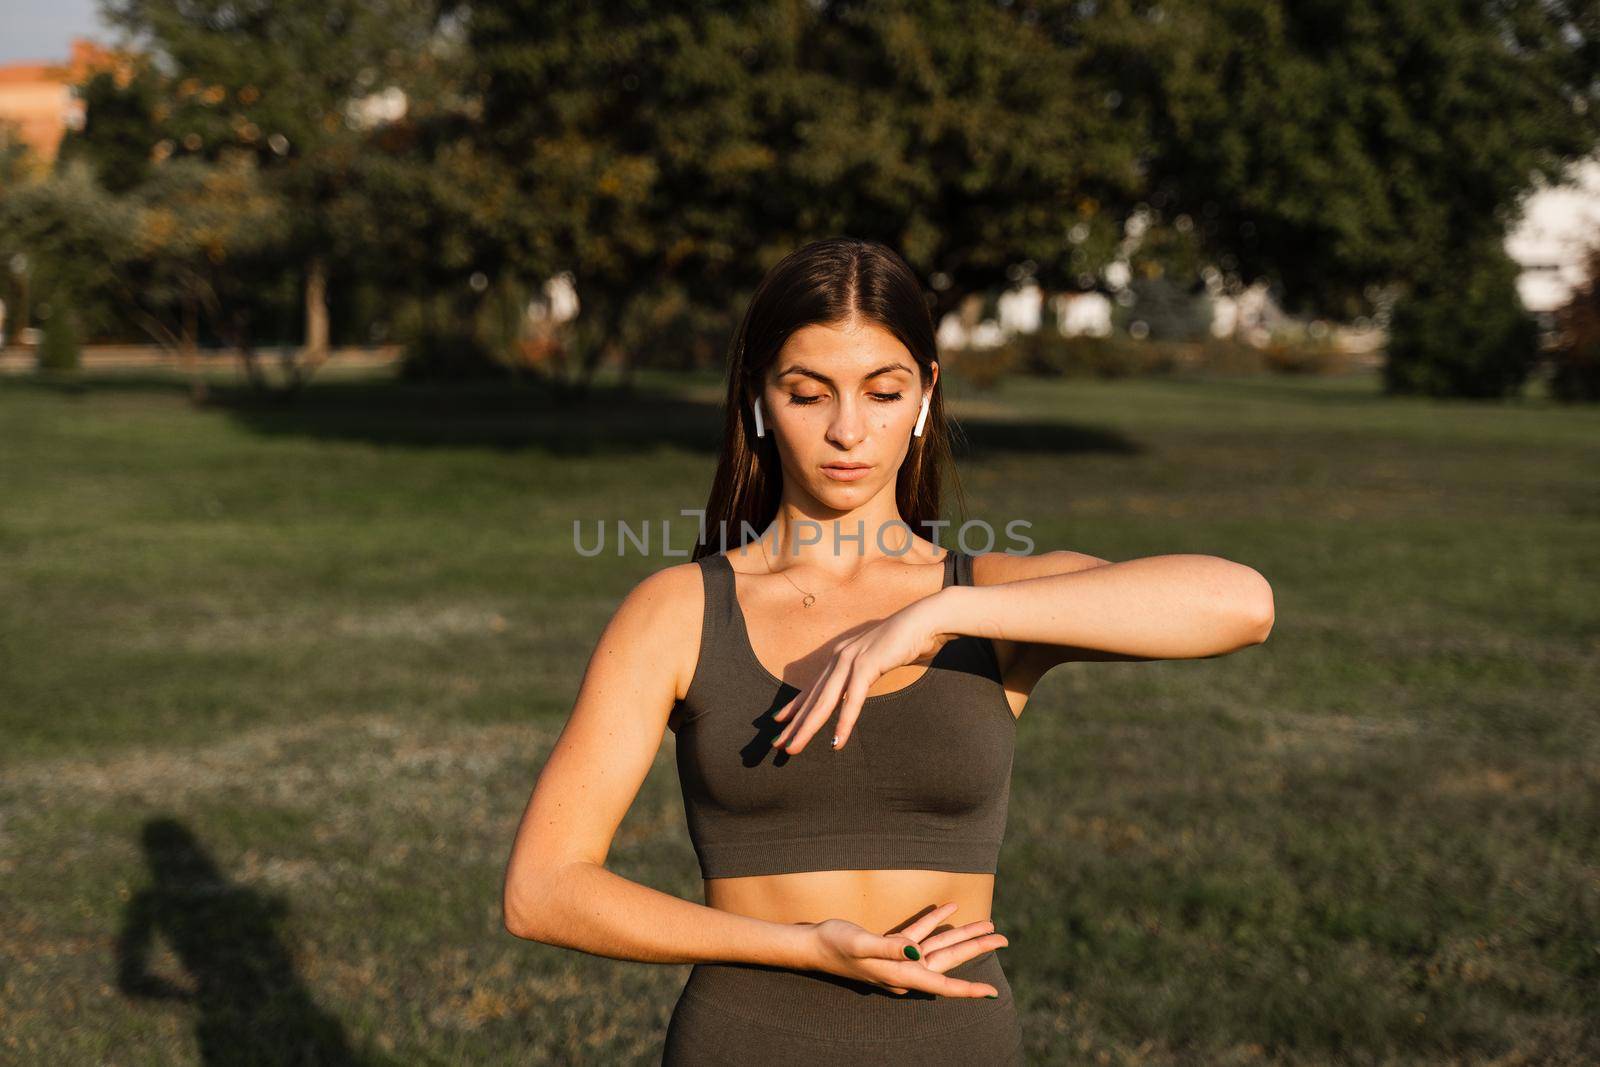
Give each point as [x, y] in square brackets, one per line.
[252, 1007]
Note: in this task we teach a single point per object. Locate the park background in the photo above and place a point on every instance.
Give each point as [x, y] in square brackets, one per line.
[327, 320]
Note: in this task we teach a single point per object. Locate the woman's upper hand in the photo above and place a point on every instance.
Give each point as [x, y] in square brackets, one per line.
[902, 638]
[843, 948]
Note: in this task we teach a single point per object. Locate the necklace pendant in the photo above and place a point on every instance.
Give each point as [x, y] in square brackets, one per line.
[808, 600]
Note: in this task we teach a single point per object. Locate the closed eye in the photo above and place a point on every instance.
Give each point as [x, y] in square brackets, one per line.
[882, 398]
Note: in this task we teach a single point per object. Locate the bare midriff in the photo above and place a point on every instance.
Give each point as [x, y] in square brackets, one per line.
[880, 901]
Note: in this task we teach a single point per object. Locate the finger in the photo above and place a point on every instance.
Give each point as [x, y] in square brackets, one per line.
[796, 713]
[960, 988]
[822, 711]
[945, 959]
[894, 947]
[948, 937]
[850, 710]
[784, 734]
[916, 976]
[798, 719]
[803, 703]
[783, 712]
[808, 721]
[922, 927]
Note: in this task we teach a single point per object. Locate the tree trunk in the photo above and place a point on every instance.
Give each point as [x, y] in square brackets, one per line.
[188, 355]
[316, 348]
[238, 338]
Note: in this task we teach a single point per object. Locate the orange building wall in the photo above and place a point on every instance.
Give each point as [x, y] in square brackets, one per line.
[39, 96]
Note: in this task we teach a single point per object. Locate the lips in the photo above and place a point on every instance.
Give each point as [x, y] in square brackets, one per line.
[846, 472]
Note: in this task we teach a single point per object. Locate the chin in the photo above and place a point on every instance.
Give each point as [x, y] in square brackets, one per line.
[831, 490]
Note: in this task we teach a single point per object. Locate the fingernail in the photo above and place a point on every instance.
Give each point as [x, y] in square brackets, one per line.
[912, 953]
[992, 996]
[835, 741]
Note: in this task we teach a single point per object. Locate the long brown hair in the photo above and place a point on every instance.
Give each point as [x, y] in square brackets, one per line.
[826, 283]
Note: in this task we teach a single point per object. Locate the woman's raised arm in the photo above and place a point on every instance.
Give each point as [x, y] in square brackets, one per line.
[1181, 606]
[1071, 606]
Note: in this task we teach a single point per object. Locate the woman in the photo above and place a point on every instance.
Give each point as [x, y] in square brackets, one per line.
[848, 877]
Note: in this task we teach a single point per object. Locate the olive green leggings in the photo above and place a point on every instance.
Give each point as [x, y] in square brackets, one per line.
[744, 1014]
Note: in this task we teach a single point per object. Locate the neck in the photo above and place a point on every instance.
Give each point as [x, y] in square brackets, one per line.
[837, 542]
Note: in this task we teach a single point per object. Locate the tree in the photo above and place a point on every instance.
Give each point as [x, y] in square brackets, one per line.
[1462, 331]
[295, 83]
[207, 239]
[1339, 147]
[195, 237]
[422, 212]
[1577, 342]
[72, 236]
[668, 152]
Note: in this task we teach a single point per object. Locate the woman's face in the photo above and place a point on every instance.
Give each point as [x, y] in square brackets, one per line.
[840, 397]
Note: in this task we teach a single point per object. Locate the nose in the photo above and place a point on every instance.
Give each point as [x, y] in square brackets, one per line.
[847, 428]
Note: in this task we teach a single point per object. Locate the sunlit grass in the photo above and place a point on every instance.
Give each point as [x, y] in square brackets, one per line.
[275, 683]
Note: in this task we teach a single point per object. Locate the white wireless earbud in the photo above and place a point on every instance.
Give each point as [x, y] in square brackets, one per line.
[761, 431]
[922, 419]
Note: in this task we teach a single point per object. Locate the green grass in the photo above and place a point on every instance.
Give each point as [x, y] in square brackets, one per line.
[275, 682]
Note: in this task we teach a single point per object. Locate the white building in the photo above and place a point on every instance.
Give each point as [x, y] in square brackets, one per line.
[1558, 224]
[1082, 314]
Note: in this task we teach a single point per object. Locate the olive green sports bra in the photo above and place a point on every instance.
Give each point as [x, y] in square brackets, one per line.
[923, 782]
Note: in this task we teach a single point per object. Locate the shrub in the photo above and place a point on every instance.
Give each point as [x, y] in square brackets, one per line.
[1049, 354]
[1576, 354]
[984, 367]
[449, 355]
[1304, 358]
[1575, 377]
[59, 348]
[1463, 332]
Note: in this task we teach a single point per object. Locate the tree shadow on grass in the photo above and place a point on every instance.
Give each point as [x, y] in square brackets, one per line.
[605, 422]
[518, 416]
[252, 1007]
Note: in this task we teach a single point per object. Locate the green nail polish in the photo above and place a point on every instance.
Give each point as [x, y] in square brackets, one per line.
[992, 996]
[912, 953]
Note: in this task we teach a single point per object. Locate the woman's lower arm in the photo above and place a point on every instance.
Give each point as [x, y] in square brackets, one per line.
[583, 906]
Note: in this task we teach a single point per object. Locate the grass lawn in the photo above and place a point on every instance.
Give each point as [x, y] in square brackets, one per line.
[275, 682]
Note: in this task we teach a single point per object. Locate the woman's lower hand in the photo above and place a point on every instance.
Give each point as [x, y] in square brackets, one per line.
[913, 958]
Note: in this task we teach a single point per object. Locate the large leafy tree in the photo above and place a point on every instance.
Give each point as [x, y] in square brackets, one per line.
[1342, 147]
[295, 83]
[673, 150]
[195, 241]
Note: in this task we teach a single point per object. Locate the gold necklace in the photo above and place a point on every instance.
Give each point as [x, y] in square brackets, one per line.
[810, 598]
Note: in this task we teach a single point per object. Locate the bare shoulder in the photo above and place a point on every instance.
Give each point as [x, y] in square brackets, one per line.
[664, 611]
[667, 588]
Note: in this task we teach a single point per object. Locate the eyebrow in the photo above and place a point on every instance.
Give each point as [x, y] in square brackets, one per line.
[795, 368]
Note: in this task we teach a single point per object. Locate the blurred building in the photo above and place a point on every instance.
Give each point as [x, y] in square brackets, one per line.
[40, 97]
[1559, 224]
[1082, 314]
